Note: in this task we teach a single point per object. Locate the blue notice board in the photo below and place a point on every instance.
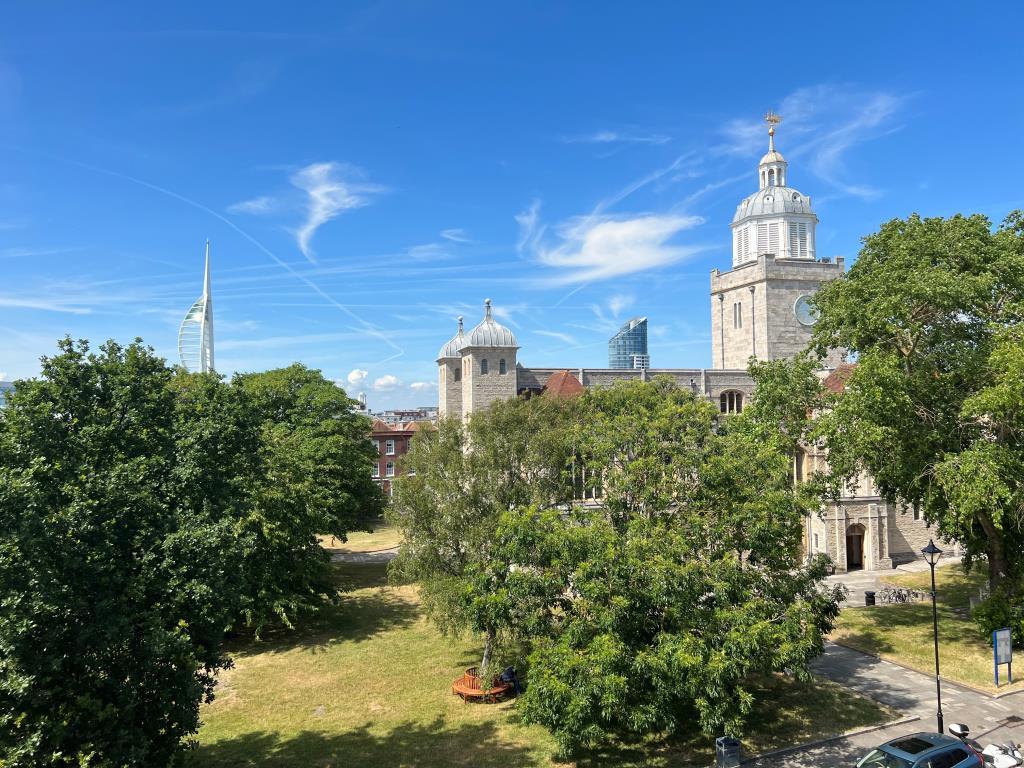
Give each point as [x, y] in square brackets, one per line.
[1002, 651]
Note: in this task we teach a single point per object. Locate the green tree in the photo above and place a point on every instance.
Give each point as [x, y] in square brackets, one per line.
[653, 614]
[932, 310]
[314, 477]
[116, 571]
[460, 481]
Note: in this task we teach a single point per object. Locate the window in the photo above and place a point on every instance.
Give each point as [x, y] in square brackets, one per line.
[879, 759]
[376, 469]
[799, 460]
[390, 469]
[948, 760]
[771, 177]
[389, 447]
[773, 238]
[731, 402]
[501, 367]
[376, 445]
[737, 314]
[745, 243]
[483, 367]
[458, 374]
[798, 240]
[815, 542]
[465, 364]
[762, 238]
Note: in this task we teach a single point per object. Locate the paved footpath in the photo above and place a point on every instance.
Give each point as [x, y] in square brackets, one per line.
[377, 556]
[857, 582]
[911, 693]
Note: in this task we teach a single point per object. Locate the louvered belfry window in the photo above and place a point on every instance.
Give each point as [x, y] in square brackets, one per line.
[798, 240]
[762, 238]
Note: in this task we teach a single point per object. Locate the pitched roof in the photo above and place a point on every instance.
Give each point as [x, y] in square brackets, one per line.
[379, 426]
[562, 384]
[836, 381]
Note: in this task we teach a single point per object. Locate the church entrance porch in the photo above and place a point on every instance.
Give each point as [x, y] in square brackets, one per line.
[855, 547]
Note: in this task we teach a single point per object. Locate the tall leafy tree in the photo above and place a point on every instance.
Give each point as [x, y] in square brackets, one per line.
[655, 612]
[117, 561]
[314, 478]
[460, 480]
[932, 310]
[642, 615]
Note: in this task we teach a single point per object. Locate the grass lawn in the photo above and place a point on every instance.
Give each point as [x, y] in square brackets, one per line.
[903, 632]
[367, 685]
[382, 537]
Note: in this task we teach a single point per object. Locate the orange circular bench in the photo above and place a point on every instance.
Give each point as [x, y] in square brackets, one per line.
[468, 687]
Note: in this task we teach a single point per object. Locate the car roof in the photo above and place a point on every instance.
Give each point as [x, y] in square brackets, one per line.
[914, 746]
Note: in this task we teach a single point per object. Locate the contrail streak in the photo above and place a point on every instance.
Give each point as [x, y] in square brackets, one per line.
[365, 326]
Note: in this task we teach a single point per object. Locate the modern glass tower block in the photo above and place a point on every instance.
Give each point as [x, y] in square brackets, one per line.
[628, 347]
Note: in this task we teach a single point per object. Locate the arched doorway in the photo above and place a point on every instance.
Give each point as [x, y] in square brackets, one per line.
[855, 547]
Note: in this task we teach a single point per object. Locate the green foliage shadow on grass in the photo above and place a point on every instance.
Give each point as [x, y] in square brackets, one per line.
[408, 744]
[364, 608]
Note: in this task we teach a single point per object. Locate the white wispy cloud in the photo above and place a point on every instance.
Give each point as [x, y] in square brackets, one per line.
[599, 247]
[419, 386]
[619, 302]
[616, 137]
[46, 304]
[563, 337]
[428, 252]
[822, 123]
[456, 235]
[328, 194]
[530, 228]
[20, 253]
[387, 383]
[257, 206]
[356, 377]
[507, 312]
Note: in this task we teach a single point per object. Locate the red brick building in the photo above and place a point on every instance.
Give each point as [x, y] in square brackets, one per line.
[391, 442]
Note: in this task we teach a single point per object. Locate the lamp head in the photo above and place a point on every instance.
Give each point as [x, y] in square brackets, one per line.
[931, 553]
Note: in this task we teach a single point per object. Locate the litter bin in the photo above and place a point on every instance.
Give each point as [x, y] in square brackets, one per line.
[869, 597]
[727, 751]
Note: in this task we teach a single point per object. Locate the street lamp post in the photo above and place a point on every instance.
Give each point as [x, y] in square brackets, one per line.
[932, 555]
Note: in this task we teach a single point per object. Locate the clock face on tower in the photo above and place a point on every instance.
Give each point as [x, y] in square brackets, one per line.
[802, 309]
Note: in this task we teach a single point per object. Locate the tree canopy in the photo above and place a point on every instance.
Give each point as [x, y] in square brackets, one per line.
[931, 311]
[116, 573]
[312, 477]
[143, 511]
[650, 611]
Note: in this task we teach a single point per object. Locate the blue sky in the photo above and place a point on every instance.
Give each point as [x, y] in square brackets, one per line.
[368, 172]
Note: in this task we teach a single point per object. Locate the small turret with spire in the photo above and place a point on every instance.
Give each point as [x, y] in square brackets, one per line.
[772, 168]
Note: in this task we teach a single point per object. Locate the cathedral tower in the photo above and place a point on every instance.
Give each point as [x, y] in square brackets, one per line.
[760, 307]
[449, 372]
[488, 364]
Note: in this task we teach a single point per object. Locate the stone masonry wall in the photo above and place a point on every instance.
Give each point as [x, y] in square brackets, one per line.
[710, 382]
[479, 390]
[449, 391]
[769, 323]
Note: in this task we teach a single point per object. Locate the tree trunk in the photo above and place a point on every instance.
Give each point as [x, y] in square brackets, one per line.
[486, 662]
[997, 566]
